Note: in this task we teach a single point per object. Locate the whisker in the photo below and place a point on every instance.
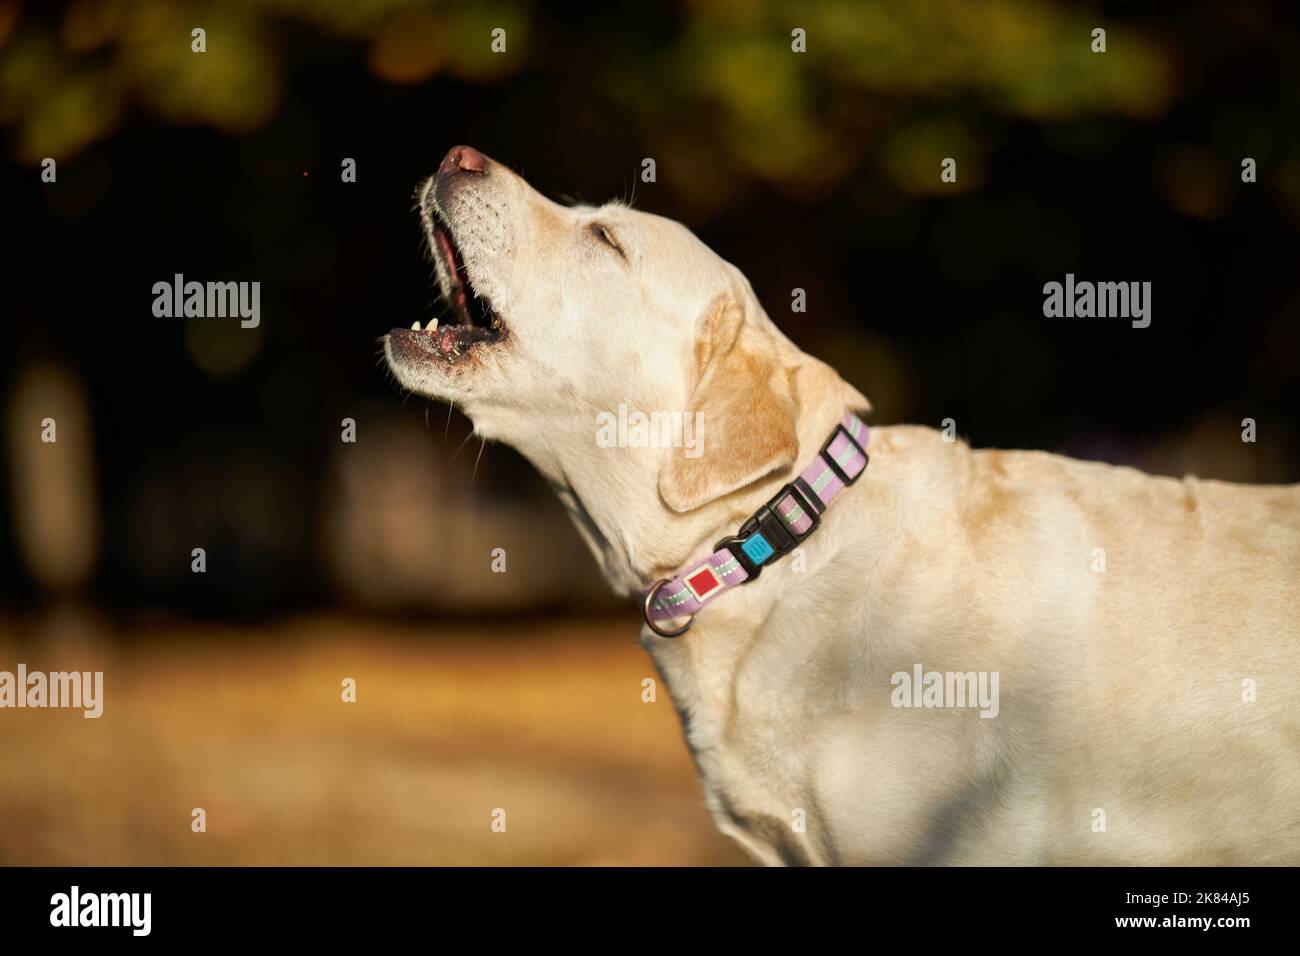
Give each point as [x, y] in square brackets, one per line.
[474, 473]
[459, 447]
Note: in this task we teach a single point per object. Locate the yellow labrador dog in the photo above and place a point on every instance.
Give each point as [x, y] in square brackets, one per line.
[974, 657]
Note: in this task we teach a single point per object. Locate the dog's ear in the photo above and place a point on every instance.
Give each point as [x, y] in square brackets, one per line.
[745, 404]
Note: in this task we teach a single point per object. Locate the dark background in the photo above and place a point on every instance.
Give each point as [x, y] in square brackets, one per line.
[817, 170]
[928, 297]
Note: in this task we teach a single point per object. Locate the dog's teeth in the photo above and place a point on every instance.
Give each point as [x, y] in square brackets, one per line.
[415, 326]
[433, 326]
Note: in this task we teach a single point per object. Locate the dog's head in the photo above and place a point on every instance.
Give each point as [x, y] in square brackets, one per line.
[561, 314]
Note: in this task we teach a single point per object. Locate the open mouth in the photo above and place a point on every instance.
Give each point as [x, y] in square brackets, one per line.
[472, 321]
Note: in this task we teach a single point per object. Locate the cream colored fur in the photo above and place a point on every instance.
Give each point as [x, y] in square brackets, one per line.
[1122, 692]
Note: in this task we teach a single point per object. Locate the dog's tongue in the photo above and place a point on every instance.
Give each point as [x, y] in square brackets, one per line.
[450, 254]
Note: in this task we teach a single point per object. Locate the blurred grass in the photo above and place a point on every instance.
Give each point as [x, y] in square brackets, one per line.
[545, 721]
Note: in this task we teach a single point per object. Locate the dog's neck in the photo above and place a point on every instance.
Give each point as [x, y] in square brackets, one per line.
[613, 498]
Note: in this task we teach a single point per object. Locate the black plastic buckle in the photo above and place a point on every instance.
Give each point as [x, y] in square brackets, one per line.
[834, 466]
[776, 532]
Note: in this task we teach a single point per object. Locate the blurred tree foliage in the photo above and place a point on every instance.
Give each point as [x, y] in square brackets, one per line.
[884, 85]
[68, 80]
[718, 70]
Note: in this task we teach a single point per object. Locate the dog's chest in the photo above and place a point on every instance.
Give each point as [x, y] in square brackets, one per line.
[752, 762]
[801, 765]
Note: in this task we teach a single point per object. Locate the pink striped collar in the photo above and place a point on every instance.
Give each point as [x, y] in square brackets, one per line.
[775, 530]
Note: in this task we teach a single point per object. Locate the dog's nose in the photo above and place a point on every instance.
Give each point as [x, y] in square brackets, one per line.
[462, 159]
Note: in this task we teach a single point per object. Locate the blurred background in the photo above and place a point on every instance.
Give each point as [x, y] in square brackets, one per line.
[371, 560]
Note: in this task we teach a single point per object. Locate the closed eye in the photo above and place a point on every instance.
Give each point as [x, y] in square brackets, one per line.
[603, 233]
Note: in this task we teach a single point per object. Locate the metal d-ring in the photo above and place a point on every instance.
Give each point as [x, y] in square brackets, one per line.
[649, 617]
